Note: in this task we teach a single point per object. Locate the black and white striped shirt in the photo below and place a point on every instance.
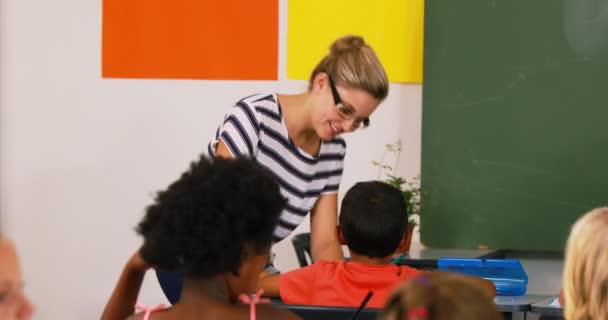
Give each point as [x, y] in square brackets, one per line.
[254, 127]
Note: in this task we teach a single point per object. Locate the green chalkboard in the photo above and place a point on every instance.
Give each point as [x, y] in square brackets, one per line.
[515, 121]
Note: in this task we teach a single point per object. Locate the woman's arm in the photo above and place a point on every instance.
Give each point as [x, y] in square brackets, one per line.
[222, 150]
[324, 243]
[123, 299]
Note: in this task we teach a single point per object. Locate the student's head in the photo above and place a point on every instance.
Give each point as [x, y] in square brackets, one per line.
[14, 305]
[439, 296]
[373, 219]
[348, 85]
[216, 219]
[586, 267]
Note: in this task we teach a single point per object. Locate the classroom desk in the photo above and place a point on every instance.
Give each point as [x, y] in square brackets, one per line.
[507, 305]
[426, 258]
[328, 313]
[421, 257]
[545, 308]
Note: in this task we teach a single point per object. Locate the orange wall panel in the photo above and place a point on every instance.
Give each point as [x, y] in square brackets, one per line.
[190, 39]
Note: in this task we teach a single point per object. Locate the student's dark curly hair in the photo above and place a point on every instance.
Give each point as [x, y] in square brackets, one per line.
[373, 218]
[201, 223]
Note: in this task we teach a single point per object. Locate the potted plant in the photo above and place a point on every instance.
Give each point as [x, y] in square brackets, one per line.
[410, 189]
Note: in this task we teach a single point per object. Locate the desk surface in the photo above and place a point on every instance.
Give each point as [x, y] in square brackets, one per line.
[424, 258]
[517, 303]
[504, 304]
[544, 307]
[307, 312]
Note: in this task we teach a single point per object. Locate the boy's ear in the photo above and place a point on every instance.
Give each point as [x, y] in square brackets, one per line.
[404, 244]
[340, 235]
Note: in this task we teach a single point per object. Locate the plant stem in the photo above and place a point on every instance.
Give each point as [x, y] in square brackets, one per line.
[381, 166]
[398, 144]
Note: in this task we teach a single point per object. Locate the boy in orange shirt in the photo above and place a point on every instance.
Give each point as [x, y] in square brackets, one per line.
[373, 224]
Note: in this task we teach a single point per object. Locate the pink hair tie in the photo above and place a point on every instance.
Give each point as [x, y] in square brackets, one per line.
[418, 312]
[252, 301]
[148, 310]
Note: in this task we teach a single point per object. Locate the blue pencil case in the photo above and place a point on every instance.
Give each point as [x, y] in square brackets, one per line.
[508, 275]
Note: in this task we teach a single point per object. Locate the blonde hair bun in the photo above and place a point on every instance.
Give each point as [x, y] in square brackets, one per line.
[352, 63]
[347, 43]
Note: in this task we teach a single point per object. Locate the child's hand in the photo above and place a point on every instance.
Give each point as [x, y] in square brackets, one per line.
[137, 262]
[124, 296]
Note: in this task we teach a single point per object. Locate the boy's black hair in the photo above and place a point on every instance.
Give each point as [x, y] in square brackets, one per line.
[373, 218]
[200, 224]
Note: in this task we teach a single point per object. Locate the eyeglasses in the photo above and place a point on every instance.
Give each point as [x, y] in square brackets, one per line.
[347, 112]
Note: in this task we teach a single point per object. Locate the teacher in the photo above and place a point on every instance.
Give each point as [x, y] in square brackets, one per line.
[298, 137]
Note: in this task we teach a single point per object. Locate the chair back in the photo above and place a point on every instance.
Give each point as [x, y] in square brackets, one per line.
[301, 244]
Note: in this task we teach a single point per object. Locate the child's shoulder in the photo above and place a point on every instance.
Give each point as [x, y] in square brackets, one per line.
[328, 265]
[137, 316]
[409, 272]
[243, 312]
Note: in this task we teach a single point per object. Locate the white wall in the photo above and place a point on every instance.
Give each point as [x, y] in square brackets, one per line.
[80, 155]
